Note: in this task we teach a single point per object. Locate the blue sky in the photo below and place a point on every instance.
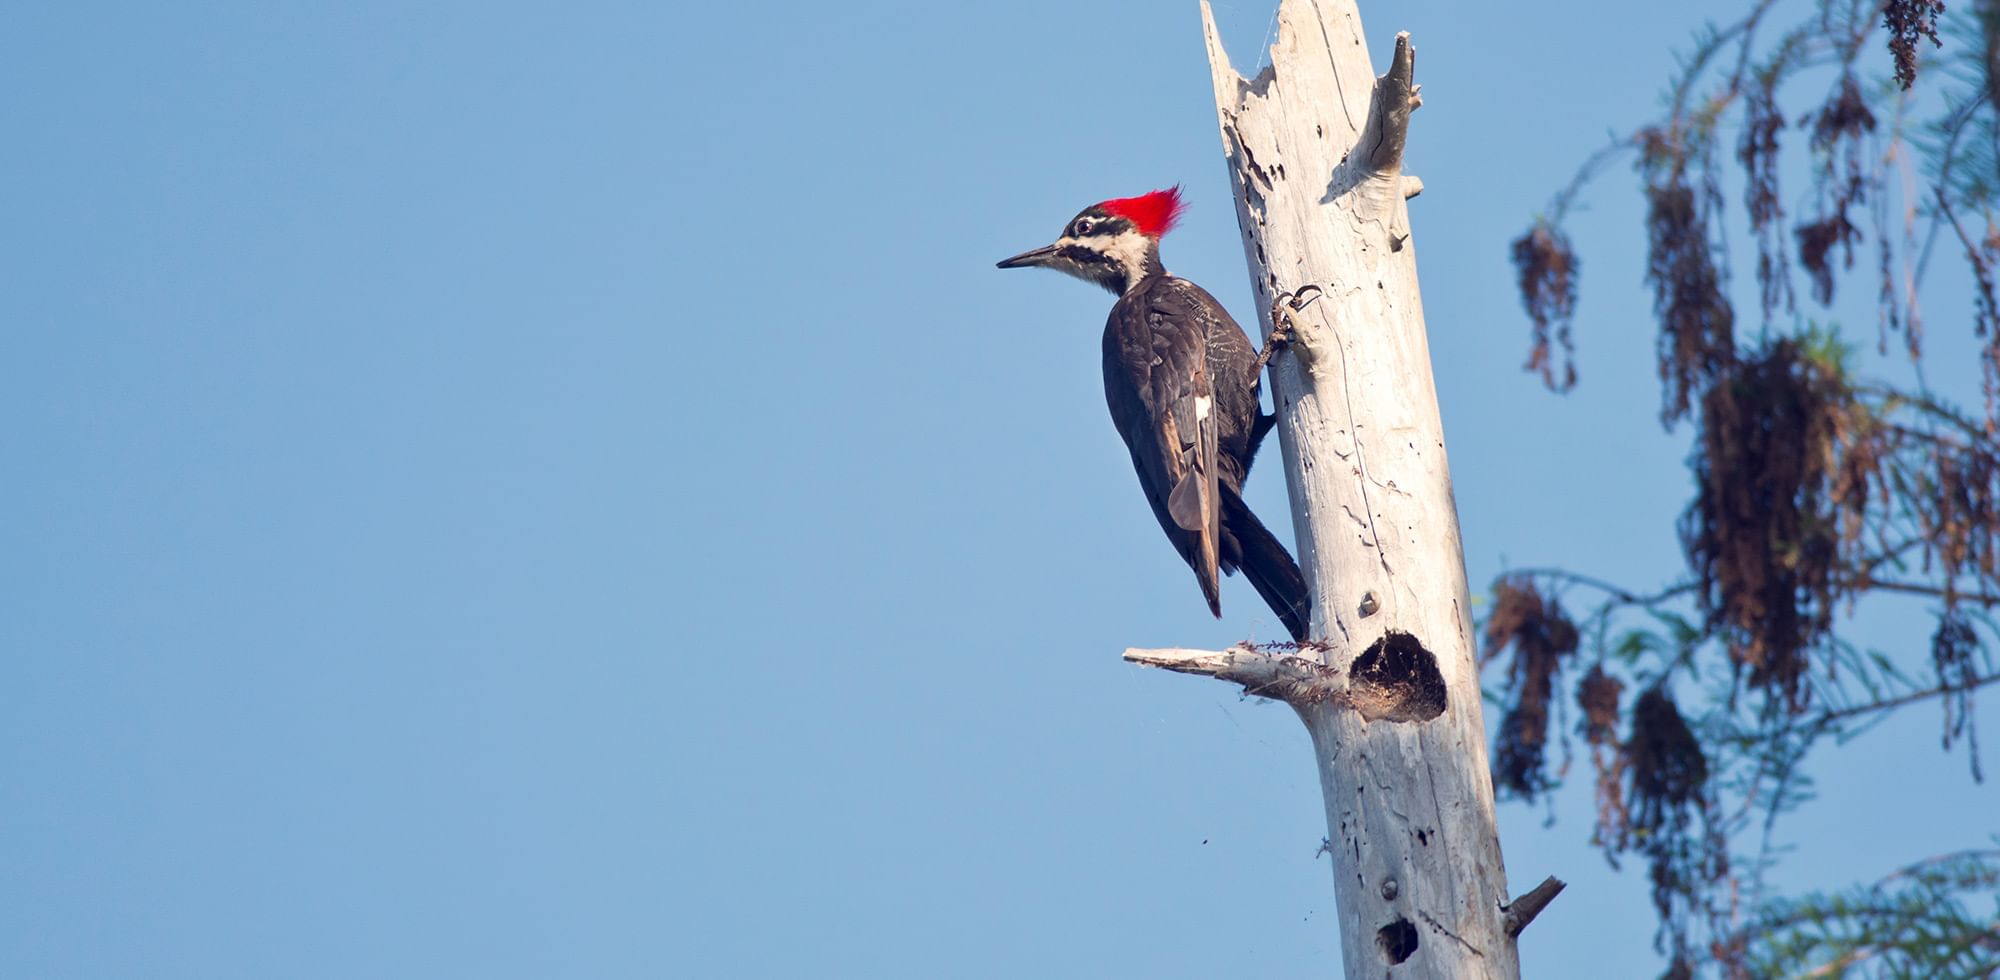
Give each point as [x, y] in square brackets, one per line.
[515, 491]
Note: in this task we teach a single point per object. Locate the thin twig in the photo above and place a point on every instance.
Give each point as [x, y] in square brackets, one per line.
[1621, 595]
[1890, 704]
[1915, 588]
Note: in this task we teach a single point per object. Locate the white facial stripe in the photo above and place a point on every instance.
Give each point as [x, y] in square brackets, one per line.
[1127, 249]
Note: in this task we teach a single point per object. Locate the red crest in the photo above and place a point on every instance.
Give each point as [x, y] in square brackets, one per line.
[1154, 214]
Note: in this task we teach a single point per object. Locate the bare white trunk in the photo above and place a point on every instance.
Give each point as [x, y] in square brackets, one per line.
[1390, 692]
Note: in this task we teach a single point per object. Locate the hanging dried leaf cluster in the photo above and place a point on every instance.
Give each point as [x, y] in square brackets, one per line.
[1547, 268]
[1910, 21]
[1839, 142]
[1786, 461]
[1697, 325]
[1763, 122]
[1542, 637]
[1958, 515]
[1651, 785]
[1668, 778]
[1955, 657]
[1814, 489]
[1598, 696]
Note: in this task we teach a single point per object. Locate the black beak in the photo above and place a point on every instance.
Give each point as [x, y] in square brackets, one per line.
[1030, 259]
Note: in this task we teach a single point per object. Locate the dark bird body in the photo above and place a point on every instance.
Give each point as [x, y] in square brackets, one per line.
[1181, 380]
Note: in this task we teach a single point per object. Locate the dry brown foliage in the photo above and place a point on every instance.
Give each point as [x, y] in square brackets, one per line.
[1758, 153]
[1697, 327]
[1542, 637]
[1839, 142]
[1959, 517]
[1784, 466]
[1910, 21]
[1667, 774]
[1953, 650]
[1547, 268]
[1597, 694]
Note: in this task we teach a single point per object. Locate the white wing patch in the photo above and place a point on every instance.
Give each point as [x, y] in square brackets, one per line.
[1202, 406]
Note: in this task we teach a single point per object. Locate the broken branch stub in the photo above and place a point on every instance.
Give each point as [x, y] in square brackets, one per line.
[1396, 679]
[1523, 910]
[1396, 96]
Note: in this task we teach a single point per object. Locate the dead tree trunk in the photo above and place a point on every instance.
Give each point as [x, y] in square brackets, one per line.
[1389, 690]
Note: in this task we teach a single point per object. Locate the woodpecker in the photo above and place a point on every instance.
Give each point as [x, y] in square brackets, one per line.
[1181, 380]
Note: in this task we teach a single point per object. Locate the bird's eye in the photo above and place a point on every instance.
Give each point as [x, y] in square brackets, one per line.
[1082, 228]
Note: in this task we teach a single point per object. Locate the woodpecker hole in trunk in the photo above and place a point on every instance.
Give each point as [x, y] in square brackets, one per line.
[1396, 941]
[1397, 679]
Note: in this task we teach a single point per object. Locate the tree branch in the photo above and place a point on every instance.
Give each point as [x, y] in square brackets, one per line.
[1619, 594]
[1523, 910]
[1890, 704]
[1293, 680]
[1587, 172]
[1918, 588]
[1928, 405]
[1826, 719]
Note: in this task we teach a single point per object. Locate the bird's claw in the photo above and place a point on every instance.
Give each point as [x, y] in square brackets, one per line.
[1281, 320]
[1281, 336]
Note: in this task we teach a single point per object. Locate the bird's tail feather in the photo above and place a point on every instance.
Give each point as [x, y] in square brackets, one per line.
[1268, 566]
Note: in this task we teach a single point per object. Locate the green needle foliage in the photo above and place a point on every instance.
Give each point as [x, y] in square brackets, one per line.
[1932, 919]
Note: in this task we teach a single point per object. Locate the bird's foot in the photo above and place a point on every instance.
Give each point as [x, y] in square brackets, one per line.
[1282, 309]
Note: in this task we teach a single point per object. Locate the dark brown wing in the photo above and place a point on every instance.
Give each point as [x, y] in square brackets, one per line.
[1179, 377]
[1232, 361]
[1163, 401]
